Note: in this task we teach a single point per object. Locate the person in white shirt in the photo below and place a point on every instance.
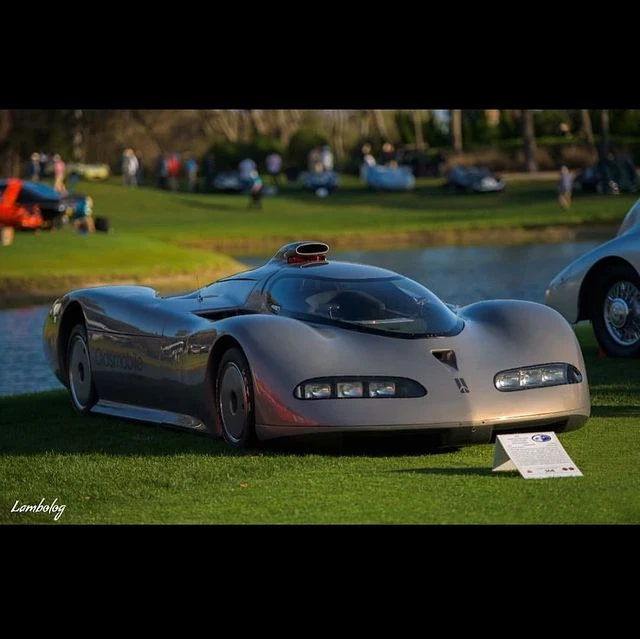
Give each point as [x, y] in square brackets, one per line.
[129, 168]
[274, 166]
[246, 167]
[326, 157]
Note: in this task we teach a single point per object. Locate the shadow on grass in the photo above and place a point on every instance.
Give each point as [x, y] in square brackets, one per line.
[449, 471]
[615, 411]
[369, 445]
[211, 206]
[46, 424]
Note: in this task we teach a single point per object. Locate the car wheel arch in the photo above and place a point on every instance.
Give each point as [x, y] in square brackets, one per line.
[71, 316]
[221, 346]
[585, 298]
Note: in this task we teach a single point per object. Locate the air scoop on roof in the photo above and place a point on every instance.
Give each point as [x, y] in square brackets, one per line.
[299, 252]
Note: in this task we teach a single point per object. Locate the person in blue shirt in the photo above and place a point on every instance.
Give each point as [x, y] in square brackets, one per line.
[255, 191]
[191, 169]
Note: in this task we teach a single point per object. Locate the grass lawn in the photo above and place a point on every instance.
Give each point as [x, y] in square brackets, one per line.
[215, 219]
[112, 471]
[157, 234]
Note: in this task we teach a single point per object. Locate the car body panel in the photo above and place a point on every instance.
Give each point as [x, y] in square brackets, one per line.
[93, 172]
[312, 180]
[12, 212]
[156, 358]
[474, 180]
[33, 205]
[387, 178]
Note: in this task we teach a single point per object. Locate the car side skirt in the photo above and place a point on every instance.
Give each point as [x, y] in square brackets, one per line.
[141, 413]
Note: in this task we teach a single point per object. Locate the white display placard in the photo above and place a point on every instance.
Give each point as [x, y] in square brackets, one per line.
[534, 456]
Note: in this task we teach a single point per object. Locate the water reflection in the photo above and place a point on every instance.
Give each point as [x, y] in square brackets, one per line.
[459, 275]
[23, 367]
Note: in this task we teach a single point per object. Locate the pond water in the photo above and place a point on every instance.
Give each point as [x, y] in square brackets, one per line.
[459, 275]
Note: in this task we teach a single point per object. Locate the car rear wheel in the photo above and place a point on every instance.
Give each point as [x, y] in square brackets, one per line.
[616, 311]
[79, 373]
[234, 398]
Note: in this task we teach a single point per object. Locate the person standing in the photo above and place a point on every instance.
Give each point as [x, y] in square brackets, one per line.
[129, 168]
[326, 158]
[191, 169]
[315, 160]
[59, 168]
[139, 174]
[33, 172]
[388, 153]
[565, 187]
[246, 168]
[173, 166]
[255, 191]
[162, 169]
[274, 166]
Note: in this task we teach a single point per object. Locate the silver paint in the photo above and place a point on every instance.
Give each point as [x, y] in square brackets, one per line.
[179, 341]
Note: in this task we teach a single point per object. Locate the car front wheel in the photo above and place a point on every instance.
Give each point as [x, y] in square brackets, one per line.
[79, 373]
[616, 312]
[234, 398]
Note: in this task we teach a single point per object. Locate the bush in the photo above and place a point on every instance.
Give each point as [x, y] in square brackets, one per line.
[300, 144]
[229, 154]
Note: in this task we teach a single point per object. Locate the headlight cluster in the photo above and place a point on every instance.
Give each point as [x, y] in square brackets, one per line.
[537, 377]
[358, 387]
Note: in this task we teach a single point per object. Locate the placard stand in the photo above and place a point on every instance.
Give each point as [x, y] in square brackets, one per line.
[534, 456]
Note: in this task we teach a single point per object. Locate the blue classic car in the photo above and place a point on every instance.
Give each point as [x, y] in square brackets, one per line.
[389, 178]
[473, 179]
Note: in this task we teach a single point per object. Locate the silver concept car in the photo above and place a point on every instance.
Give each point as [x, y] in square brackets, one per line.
[603, 286]
[305, 345]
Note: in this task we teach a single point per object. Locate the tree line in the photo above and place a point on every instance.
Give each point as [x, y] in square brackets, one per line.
[101, 135]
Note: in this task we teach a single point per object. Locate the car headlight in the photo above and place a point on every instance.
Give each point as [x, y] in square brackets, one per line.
[537, 377]
[349, 389]
[382, 389]
[317, 391]
[359, 387]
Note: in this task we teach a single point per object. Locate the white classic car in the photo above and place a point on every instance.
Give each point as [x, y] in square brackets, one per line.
[603, 286]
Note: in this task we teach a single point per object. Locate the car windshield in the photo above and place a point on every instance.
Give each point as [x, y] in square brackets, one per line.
[388, 305]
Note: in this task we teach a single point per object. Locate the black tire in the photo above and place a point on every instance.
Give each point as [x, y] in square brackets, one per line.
[617, 328]
[79, 373]
[235, 399]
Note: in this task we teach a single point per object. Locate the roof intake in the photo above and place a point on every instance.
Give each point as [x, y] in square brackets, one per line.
[300, 252]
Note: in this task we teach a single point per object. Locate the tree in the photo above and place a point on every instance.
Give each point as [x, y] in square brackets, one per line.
[604, 119]
[381, 126]
[587, 129]
[529, 141]
[417, 125]
[456, 130]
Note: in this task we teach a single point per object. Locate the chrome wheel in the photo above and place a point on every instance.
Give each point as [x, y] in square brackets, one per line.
[622, 313]
[233, 402]
[80, 379]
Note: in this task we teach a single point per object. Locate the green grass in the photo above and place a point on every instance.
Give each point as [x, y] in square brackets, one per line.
[183, 218]
[112, 471]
